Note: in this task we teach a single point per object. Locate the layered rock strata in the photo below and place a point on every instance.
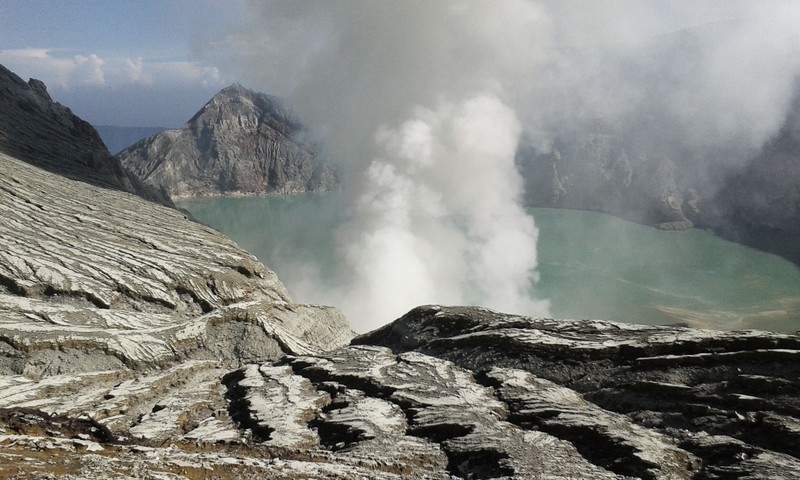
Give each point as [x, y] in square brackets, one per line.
[240, 142]
[444, 392]
[639, 401]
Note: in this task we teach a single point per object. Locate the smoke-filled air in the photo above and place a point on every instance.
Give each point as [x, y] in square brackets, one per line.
[424, 105]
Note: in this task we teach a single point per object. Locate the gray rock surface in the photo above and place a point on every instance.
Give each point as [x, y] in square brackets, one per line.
[641, 401]
[240, 142]
[639, 173]
[444, 392]
[98, 271]
[600, 168]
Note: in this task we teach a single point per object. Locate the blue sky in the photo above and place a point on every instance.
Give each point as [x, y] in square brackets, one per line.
[130, 63]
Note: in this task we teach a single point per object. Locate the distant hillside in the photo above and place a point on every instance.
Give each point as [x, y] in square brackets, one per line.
[118, 138]
[600, 166]
[240, 142]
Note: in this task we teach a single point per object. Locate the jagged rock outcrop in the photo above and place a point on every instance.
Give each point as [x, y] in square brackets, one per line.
[641, 401]
[47, 134]
[443, 392]
[240, 142]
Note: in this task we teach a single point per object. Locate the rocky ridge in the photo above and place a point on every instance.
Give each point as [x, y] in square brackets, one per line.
[240, 142]
[44, 133]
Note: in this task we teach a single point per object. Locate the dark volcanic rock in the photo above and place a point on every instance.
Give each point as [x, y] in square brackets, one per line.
[239, 142]
[729, 399]
[46, 134]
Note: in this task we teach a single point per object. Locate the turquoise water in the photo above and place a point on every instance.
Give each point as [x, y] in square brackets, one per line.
[591, 265]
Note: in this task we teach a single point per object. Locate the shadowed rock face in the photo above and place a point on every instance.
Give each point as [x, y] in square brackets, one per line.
[760, 205]
[46, 134]
[240, 142]
[751, 197]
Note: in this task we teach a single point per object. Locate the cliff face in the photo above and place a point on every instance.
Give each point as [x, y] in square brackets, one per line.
[239, 142]
[600, 168]
[750, 197]
[760, 204]
[46, 134]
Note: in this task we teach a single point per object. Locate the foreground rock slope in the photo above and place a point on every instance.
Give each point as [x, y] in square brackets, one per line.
[240, 142]
[443, 392]
[640, 401]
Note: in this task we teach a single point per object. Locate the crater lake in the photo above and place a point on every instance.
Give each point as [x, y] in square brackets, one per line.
[591, 265]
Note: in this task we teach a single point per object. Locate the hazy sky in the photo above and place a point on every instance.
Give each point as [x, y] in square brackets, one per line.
[118, 62]
[154, 63]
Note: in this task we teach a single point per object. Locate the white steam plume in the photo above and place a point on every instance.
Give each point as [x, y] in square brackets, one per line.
[438, 219]
[414, 98]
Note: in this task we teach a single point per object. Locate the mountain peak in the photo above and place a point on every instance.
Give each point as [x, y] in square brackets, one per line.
[235, 87]
[237, 90]
[241, 141]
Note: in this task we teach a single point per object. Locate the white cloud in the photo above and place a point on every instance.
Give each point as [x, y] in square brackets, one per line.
[90, 70]
[187, 72]
[134, 71]
[58, 71]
